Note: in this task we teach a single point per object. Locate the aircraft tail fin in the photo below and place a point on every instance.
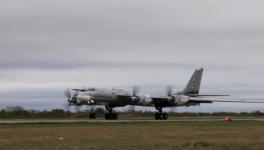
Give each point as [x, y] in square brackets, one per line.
[194, 83]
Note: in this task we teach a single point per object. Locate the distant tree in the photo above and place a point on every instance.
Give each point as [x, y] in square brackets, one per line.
[14, 109]
[257, 113]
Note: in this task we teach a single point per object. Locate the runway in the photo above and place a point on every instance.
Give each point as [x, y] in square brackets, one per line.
[32, 121]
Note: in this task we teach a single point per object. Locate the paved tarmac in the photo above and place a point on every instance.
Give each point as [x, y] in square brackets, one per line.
[23, 121]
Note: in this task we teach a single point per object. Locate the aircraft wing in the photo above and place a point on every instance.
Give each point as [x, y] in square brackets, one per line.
[124, 97]
[164, 99]
[159, 98]
[211, 100]
[80, 90]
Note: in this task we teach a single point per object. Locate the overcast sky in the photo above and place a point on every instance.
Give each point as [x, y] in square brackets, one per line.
[49, 45]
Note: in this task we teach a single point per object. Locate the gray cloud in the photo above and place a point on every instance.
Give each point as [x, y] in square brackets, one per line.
[51, 45]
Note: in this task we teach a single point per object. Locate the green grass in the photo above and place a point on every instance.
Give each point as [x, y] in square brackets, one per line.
[218, 135]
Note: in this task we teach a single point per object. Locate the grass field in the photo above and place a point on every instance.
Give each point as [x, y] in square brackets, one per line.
[207, 135]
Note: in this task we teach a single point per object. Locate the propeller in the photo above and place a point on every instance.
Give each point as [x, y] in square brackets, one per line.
[75, 93]
[134, 97]
[77, 108]
[169, 90]
[70, 96]
[71, 100]
[131, 108]
[135, 90]
[67, 106]
[67, 93]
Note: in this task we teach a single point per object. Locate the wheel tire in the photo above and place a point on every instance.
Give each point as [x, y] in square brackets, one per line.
[115, 116]
[111, 116]
[94, 116]
[160, 116]
[157, 116]
[164, 116]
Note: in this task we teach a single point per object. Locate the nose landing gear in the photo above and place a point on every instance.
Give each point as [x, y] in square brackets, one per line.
[110, 115]
[92, 115]
[160, 115]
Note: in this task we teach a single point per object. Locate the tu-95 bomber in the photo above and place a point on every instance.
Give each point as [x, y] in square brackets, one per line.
[111, 98]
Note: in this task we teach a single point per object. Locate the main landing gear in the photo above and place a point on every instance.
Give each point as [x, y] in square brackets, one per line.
[110, 115]
[160, 115]
[92, 115]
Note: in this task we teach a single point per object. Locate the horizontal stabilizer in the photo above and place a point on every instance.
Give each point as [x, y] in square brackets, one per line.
[197, 95]
[211, 100]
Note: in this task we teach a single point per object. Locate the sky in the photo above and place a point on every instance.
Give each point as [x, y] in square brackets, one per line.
[48, 46]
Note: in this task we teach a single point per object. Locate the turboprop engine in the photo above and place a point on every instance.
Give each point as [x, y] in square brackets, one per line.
[181, 99]
[135, 98]
[146, 100]
[85, 100]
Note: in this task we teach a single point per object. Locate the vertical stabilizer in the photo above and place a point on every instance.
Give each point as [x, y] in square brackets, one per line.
[194, 83]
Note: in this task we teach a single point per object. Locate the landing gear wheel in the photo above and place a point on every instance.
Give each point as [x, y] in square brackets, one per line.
[92, 115]
[110, 115]
[157, 116]
[164, 116]
[115, 116]
[161, 116]
[107, 116]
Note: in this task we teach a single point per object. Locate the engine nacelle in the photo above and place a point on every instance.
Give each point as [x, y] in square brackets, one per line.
[145, 100]
[181, 99]
[135, 99]
[171, 99]
[84, 99]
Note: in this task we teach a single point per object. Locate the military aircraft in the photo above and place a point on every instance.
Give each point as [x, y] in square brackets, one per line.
[112, 98]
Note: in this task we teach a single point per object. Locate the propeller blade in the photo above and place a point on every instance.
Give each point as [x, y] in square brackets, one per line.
[169, 90]
[135, 91]
[67, 106]
[77, 108]
[75, 93]
[68, 93]
[131, 108]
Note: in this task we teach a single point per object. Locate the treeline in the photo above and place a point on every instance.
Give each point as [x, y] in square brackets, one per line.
[21, 113]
